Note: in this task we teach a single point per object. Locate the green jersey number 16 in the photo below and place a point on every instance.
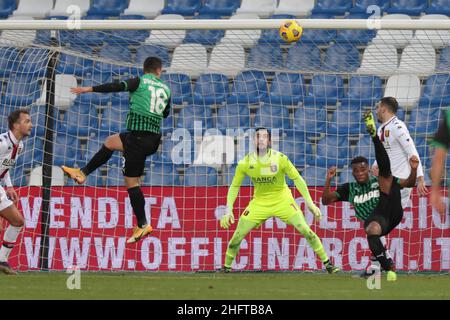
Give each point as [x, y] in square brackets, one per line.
[157, 100]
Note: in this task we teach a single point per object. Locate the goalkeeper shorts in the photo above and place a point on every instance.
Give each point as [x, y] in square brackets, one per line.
[257, 212]
[137, 146]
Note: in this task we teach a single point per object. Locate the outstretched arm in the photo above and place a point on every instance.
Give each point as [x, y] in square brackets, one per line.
[233, 192]
[128, 85]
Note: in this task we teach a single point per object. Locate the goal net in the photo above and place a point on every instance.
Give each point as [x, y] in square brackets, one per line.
[225, 82]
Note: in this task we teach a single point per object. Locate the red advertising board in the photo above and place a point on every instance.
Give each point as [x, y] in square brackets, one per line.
[89, 227]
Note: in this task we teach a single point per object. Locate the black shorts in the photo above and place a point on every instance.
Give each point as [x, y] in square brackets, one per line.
[389, 211]
[137, 145]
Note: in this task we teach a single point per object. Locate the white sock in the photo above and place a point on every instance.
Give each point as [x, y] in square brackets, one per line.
[9, 239]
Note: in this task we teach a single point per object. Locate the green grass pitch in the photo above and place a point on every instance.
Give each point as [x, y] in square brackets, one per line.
[239, 286]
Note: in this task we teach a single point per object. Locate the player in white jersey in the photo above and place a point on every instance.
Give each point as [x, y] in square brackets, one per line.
[11, 145]
[399, 146]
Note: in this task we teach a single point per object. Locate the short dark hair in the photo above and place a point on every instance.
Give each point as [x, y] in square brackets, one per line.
[263, 128]
[151, 64]
[14, 116]
[359, 159]
[391, 103]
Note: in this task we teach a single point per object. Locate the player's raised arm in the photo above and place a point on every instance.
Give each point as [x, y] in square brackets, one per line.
[329, 197]
[130, 85]
[411, 180]
[228, 219]
[302, 187]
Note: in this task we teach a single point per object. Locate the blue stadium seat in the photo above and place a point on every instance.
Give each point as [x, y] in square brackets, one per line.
[264, 56]
[401, 114]
[346, 121]
[439, 7]
[80, 120]
[33, 63]
[33, 153]
[113, 121]
[286, 89]
[364, 148]
[409, 7]
[424, 150]
[45, 36]
[444, 60]
[167, 124]
[211, 88]
[145, 51]
[360, 6]
[355, 36]
[220, 7]
[318, 36]
[161, 175]
[88, 37]
[128, 37]
[19, 176]
[272, 36]
[436, 91]
[310, 119]
[314, 176]
[230, 175]
[114, 177]
[363, 91]
[183, 7]
[233, 116]
[21, 90]
[195, 176]
[37, 113]
[74, 65]
[94, 144]
[294, 147]
[332, 151]
[9, 61]
[204, 37]
[7, 7]
[65, 150]
[190, 114]
[177, 152]
[325, 88]
[107, 7]
[272, 116]
[336, 7]
[248, 87]
[180, 87]
[424, 120]
[114, 53]
[345, 176]
[94, 79]
[341, 58]
[303, 57]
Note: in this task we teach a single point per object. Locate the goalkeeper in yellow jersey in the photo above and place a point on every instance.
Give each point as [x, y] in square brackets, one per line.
[272, 198]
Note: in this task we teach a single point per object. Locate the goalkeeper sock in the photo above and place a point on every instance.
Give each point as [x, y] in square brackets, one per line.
[138, 203]
[9, 240]
[242, 229]
[99, 159]
[380, 252]
[382, 157]
[299, 223]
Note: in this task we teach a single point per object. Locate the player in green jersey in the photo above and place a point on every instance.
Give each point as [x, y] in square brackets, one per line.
[272, 198]
[149, 103]
[377, 200]
[440, 142]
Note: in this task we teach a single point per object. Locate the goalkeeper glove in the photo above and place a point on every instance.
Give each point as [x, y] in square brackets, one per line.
[315, 211]
[227, 220]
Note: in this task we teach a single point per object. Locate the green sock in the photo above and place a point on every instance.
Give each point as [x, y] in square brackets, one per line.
[299, 223]
[242, 229]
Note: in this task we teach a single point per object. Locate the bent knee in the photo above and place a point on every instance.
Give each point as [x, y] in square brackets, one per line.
[373, 228]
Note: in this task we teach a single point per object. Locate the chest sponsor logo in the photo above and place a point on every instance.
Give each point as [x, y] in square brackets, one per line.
[264, 180]
[366, 197]
[9, 162]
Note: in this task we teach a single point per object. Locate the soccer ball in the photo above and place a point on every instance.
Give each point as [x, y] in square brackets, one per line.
[290, 31]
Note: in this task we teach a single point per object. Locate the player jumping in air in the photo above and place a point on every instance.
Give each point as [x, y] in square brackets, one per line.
[440, 142]
[149, 103]
[377, 201]
[11, 145]
[272, 198]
